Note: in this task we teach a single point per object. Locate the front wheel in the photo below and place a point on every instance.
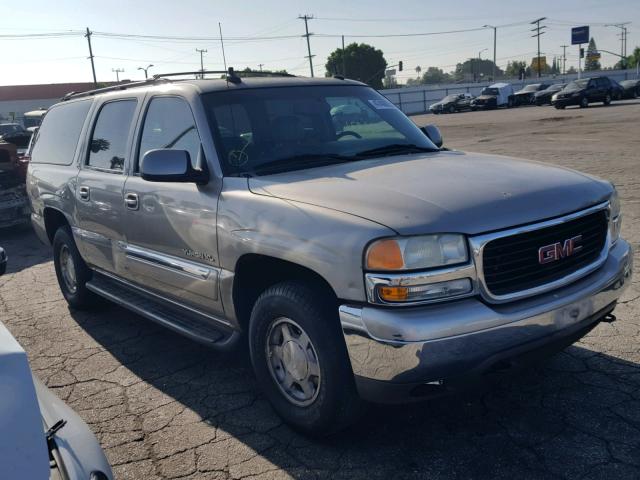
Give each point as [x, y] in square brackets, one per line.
[71, 271]
[607, 99]
[452, 109]
[584, 102]
[300, 359]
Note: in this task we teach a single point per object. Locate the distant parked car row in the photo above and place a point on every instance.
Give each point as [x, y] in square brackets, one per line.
[579, 92]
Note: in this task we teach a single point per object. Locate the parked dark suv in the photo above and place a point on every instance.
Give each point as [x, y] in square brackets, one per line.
[583, 92]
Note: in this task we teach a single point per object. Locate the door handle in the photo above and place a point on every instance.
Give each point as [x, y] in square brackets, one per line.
[131, 201]
[83, 192]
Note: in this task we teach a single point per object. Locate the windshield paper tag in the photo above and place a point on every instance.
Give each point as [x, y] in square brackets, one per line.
[382, 104]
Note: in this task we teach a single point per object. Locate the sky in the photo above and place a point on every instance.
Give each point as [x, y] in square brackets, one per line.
[29, 60]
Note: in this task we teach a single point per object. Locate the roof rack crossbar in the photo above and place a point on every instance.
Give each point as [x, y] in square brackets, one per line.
[112, 88]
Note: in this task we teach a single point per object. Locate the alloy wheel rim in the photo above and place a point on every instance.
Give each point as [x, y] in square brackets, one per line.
[68, 269]
[293, 362]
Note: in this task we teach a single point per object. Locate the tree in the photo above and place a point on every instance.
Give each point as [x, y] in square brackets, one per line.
[592, 56]
[515, 68]
[435, 75]
[361, 62]
[418, 70]
[475, 69]
[572, 70]
[631, 61]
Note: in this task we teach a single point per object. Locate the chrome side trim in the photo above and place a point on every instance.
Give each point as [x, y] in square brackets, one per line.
[91, 237]
[166, 261]
[162, 298]
[479, 242]
[407, 279]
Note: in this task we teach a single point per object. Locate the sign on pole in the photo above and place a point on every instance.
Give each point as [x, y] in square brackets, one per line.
[580, 35]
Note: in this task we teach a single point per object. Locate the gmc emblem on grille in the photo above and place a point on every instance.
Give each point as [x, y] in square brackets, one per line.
[558, 250]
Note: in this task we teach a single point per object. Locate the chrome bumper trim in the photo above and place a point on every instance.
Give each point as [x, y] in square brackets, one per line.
[442, 340]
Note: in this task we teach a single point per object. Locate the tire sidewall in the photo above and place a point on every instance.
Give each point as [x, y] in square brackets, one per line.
[78, 298]
[335, 368]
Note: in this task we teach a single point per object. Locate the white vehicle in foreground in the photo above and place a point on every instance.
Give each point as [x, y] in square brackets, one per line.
[42, 437]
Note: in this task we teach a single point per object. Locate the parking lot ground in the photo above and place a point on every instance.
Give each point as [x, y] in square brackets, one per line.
[165, 407]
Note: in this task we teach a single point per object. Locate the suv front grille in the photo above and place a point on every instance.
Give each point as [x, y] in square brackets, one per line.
[511, 264]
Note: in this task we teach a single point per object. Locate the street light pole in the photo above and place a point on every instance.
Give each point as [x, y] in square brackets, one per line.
[495, 36]
[145, 70]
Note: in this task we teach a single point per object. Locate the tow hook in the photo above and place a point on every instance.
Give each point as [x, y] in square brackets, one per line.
[609, 318]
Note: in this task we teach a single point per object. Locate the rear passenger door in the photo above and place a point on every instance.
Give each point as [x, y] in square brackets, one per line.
[100, 183]
[171, 227]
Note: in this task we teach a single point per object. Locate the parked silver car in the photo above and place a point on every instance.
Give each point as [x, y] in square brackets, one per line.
[359, 261]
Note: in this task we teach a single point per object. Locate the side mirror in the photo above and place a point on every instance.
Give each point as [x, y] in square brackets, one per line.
[433, 133]
[3, 261]
[168, 165]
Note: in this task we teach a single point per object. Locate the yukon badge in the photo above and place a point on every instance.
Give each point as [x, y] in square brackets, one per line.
[559, 250]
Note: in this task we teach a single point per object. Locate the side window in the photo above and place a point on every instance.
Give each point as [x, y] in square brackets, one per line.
[604, 82]
[169, 123]
[107, 148]
[56, 139]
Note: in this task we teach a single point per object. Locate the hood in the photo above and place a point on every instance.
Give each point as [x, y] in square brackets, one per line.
[485, 97]
[440, 192]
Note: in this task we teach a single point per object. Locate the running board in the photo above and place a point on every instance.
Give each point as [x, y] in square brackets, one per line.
[194, 325]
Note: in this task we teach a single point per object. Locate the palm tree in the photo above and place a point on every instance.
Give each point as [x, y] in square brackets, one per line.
[418, 70]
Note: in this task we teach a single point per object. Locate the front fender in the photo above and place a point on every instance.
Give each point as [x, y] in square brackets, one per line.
[326, 241]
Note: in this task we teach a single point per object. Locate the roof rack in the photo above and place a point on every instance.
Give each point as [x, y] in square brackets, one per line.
[231, 76]
[112, 88]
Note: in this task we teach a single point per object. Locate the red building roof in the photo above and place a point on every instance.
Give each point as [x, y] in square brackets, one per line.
[44, 91]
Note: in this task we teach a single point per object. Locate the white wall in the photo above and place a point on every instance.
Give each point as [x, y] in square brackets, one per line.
[21, 106]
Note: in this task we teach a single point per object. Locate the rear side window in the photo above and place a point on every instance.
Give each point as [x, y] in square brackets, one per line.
[57, 137]
[169, 123]
[107, 148]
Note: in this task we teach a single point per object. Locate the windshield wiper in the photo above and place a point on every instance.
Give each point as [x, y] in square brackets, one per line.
[394, 148]
[300, 161]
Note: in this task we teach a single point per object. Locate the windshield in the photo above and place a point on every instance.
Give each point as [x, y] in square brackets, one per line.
[577, 84]
[628, 83]
[556, 87]
[10, 128]
[450, 98]
[489, 91]
[531, 88]
[302, 127]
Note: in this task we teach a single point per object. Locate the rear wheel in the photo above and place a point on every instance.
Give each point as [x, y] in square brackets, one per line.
[584, 102]
[300, 359]
[71, 271]
[452, 109]
[607, 99]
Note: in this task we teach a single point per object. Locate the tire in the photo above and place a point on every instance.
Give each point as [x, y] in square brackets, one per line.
[584, 102]
[65, 258]
[607, 99]
[559, 107]
[299, 309]
[452, 109]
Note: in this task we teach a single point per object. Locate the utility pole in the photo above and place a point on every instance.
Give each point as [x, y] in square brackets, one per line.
[539, 32]
[201, 52]
[93, 68]
[495, 36]
[564, 59]
[145, 70]
[306, 18]
[260, 65]
[623, 41]
[117, 71]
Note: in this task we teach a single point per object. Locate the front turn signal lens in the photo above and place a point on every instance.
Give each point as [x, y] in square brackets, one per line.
[385, 255]
[394, 294]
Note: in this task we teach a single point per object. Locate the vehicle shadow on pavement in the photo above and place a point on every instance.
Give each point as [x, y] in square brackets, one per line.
[22, 239]
[198, 412]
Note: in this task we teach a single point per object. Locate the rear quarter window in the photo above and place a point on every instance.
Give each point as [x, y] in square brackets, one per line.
[58, 136]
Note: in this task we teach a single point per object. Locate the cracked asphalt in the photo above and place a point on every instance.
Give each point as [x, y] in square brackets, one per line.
[165, 407]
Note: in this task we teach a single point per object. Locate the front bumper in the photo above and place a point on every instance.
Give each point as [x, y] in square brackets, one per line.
[399, 354]
[566, 101]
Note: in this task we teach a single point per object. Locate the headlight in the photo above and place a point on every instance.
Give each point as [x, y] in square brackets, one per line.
[615, 218]
[554, 96]
[413, 253]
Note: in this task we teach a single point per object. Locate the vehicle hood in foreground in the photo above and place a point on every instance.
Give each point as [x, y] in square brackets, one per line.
[440, 192]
